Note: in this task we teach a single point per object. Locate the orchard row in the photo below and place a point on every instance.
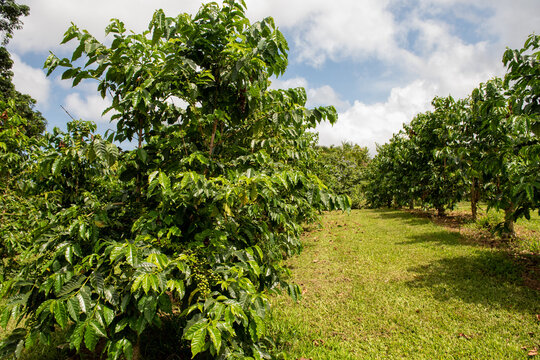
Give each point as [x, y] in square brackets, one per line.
[485, 147]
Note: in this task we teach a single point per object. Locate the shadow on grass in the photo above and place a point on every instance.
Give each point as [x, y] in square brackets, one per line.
[489, 278]
[411, 219]
[438, 238]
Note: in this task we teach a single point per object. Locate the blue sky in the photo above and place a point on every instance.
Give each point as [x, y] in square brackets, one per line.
[379, 62]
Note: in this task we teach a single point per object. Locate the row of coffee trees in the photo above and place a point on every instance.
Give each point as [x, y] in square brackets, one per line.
[485, 147]
[342, 169]
[180, 240]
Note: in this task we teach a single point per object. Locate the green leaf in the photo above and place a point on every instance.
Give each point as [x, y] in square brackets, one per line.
[135, 99]
[325, 199]
[73, 308]
[160, 260]
[127, 348]
[131, 255]
[19, 348]
[56, 166]
[152, 176]
[121, 325]
[6, 315]
[111, 295]
[137, 283]
[259, 324]
[116, 252]
[164, 181]
[147, 283]
[71, 33]
[69, 254]
[60, 314]
[45, 306]
[177, 285]
[97, 281]
[108, 315]
[142, 155]
[138, 324]
[198, 341]
[73, 284]
[148, 305]
[91, 46]
[77, 336]
[100, 331]
[189, 332]
[91, 337]
[215, 336]
[78, 52]
[84, 299]
[255, 267]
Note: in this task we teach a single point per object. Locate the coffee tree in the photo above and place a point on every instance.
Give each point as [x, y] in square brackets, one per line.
[342, 169]
[487, 143]
[418, 163]
[191, 226]
[522, 82]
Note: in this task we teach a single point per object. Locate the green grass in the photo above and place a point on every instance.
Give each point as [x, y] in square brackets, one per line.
[388, 285]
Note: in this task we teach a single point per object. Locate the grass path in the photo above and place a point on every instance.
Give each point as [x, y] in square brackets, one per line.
[382, 284]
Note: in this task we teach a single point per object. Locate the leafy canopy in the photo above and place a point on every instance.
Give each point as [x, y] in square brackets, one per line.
[189, 227]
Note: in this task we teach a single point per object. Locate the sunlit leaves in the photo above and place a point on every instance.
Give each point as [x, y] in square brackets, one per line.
[489, 140]
[191, 225]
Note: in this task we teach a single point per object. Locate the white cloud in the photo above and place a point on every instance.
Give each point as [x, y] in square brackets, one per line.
[322, 29]
[509, 22]
[321, 96]
[32, 81]
[368, 124]
[289, 83]
[334, 29]
[423, 46]
[176, 101]
[456, 67]
[324, 96]
[88, 107]
[48, 20]
[513, 21]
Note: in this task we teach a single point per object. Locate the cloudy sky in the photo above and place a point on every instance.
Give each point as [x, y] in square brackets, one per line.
[379, 62]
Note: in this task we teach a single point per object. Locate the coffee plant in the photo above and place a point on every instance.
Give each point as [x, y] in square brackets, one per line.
[483, 147]
[193, 223]
[341, 168]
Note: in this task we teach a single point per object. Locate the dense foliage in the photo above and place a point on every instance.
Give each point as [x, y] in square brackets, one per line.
[191, 225]
[23, 104]
[485, 147]
[10, 18]
[342, 168]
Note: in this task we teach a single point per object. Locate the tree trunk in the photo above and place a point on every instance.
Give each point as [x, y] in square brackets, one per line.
[508, 231]
[137, 349]
[474, 198]
[411, 204]
[440, 211]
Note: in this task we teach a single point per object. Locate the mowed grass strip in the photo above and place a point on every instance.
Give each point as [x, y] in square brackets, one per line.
[383, 284]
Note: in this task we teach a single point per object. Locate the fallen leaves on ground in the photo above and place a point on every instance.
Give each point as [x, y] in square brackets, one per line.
[318, 342]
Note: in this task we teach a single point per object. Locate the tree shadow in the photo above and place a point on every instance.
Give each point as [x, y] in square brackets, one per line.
[411, 219]
[490, 278]
[439, 238]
